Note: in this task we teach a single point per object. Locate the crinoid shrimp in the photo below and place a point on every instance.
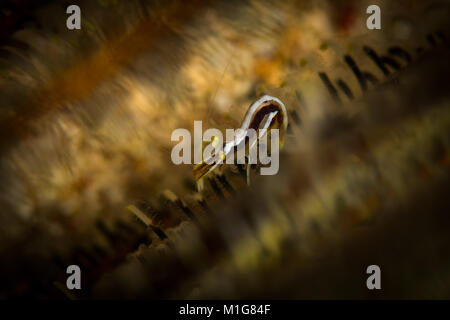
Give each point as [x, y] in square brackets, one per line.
[265, 117]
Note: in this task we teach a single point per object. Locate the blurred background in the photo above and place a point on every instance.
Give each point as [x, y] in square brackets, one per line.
[86, 176]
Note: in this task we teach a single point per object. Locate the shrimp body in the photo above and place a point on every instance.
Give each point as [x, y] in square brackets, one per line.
[263, 115]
